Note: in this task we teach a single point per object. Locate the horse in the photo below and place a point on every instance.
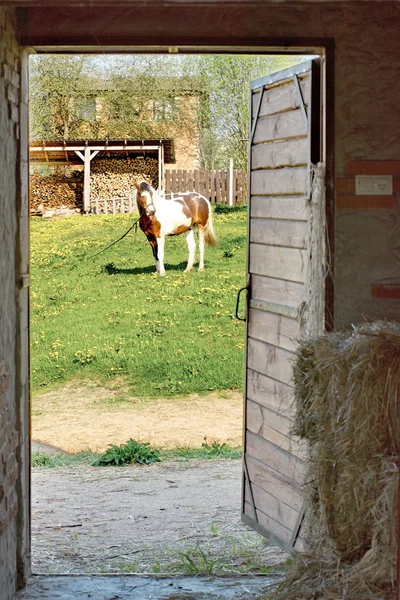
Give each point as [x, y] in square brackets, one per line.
[159, 218]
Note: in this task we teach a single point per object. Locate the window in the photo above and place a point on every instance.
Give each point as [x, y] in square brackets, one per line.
[164, 109]
[86, 108]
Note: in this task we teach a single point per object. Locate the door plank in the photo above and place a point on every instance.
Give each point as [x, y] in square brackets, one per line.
[274, 457]
[289, 153]
[281, 97]
[280, 207]
[272, 394]
[274, 261]
[281, 126]
[286, 181]
[278, 232]
[270, 360]
[276, 484]
[278, 291]
[268, 523]
[273, 329]
[274, 428]
[272, 506]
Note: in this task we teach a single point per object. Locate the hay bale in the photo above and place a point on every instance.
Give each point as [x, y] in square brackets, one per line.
[348, 409]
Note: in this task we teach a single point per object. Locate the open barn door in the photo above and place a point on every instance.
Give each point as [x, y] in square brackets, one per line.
[285, 289]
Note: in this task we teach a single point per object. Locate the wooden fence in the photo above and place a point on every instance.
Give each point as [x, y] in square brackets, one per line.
[113, 205]
[214, 185]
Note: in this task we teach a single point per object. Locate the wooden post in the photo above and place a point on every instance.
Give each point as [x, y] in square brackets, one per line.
[86, 181]
[230, 188]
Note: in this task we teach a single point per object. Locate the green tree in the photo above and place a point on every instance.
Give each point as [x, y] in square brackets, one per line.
[224, 109]
[60, 90]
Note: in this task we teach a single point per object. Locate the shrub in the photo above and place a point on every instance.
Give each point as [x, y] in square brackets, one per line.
[41, 459]
[126, 454]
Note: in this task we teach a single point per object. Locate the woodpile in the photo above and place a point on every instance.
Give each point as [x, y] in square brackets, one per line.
[55, 191]
[109, 178]
[117, 178]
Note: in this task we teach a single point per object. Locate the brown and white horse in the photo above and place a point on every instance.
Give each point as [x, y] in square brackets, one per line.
[160, 217]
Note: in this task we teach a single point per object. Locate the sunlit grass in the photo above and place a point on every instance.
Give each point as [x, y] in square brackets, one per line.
[112, 316]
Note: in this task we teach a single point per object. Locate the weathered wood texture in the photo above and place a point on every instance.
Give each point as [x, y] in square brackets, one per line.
[285, 182]
[282, 97]
[279, 216]
[278, 261]
[273, 329]
[277, 233]
[214, 185]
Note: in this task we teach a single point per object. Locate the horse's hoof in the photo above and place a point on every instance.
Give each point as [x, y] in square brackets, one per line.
[187, 270]
[162, 274]
[201, 268]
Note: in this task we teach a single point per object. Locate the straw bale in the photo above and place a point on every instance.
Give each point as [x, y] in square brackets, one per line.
[348, 409]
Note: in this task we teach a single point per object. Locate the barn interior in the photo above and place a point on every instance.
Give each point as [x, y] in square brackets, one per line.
[359, 44]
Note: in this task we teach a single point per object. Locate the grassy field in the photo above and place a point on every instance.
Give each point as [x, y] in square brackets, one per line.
[112, 316]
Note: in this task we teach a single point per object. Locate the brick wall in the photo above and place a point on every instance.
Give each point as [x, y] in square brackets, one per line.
[8, 460]
[9, 134]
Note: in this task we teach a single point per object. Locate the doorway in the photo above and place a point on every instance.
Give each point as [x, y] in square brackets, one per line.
[328, 173]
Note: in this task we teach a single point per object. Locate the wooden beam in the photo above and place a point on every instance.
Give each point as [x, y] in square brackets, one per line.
[93, 154]
[81, 156]
[86, 181]
[99, 148]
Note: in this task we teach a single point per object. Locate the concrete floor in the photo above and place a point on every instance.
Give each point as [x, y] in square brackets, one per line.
[151, 587]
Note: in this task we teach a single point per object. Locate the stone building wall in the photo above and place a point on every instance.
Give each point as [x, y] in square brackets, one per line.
[9, 438]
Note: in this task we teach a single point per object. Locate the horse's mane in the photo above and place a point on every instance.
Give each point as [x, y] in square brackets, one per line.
[145, 187]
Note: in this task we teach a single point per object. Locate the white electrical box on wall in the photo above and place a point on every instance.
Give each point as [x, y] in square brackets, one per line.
[374, 185]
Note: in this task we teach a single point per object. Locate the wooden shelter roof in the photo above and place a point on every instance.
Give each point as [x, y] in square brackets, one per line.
[64, 152]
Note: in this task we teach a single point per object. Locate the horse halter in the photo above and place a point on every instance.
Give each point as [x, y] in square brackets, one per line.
[148, 206]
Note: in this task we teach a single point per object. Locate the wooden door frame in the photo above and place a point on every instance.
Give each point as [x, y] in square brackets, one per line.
[294, 46]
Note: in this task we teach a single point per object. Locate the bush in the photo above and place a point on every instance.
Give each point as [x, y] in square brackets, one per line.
[126, 454]
[41, 459]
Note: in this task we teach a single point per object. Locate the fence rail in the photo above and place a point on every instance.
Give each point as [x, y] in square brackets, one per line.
[113, 205]
[214, 185]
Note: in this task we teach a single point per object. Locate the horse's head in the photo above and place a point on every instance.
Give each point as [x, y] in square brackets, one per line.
[145, 198]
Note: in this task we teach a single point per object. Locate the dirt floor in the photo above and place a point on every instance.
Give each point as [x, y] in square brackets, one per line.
[175, 517]
[79, 418]
[167, 517]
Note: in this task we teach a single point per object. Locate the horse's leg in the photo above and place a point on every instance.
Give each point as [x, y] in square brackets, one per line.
[191, 242]
[160, 262]
[202, 244]
[154, 246]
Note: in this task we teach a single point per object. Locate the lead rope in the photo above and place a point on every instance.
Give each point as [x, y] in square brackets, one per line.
[118, 240]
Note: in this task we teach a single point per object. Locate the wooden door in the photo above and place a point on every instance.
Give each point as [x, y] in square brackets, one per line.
[285, 289]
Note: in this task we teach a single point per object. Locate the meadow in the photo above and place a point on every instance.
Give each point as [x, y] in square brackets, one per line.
[112, 316]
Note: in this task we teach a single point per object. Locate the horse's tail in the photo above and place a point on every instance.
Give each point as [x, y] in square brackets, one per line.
[208, 230]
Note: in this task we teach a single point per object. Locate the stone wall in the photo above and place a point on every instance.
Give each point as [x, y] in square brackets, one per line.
[9, 134]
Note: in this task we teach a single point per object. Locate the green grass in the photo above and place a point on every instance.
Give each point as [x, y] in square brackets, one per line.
[213, 451]
[112, 316]
[42, 459]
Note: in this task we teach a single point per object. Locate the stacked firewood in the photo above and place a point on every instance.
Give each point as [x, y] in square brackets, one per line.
[55, 191]
[116, 178]
[109, 178]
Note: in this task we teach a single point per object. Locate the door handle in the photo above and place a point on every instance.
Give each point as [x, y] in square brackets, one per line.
[237, 303]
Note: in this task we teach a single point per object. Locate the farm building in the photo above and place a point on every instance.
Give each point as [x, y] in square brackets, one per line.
[324, 166]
